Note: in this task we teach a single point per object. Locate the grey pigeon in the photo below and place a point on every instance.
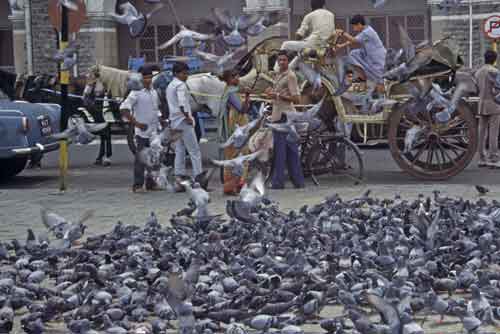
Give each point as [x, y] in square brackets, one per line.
[80, 132]
[136, 21]
[237, 165]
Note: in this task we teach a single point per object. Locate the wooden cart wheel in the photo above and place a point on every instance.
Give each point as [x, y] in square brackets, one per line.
[439, 151]
[337, 155]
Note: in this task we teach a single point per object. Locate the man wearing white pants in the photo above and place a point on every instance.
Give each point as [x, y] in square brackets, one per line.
[182, 119]
[316, 28]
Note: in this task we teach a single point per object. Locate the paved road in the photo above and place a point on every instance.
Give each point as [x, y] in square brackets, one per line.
[106, 190]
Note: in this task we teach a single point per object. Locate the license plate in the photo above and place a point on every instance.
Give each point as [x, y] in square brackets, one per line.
[45, 128]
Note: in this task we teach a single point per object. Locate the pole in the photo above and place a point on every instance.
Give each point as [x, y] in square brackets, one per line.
[470, 33]
[64, 80]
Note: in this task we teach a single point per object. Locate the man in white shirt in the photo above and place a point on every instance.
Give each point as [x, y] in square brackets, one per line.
[182, 119]
[141, 109]
[316, 28]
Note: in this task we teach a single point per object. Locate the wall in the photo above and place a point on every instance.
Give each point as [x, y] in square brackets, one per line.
[6, 43]
[44, 38]
[455, 23]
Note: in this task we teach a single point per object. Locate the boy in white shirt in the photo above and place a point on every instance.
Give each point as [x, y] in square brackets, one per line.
[141, 109]
[182, 119]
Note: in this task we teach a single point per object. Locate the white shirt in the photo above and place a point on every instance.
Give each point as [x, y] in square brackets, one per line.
[317, 27]
[144, 106]
[177, 97]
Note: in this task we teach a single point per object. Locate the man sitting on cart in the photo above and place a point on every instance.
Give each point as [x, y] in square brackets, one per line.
[315, 30]
[369, 56]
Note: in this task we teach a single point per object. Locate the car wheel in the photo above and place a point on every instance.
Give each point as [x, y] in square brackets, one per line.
[11, 167]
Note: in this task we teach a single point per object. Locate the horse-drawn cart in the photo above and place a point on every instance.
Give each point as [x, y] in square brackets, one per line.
[420, 145]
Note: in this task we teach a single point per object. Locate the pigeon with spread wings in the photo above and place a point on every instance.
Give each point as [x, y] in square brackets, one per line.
[136, 21]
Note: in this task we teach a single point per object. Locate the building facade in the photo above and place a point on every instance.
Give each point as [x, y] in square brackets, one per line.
[456, 23]
[103, 41]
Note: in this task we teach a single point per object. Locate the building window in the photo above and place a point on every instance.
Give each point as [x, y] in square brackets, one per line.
[6, 50]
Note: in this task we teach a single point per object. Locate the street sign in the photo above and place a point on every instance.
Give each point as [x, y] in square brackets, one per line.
[76, 18]
[491, 27]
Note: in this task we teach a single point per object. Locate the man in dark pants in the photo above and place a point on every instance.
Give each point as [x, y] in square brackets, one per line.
[285, 94]
[141, 108]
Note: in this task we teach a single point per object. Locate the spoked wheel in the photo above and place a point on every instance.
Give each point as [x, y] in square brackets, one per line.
[338, 156]
[429, 150]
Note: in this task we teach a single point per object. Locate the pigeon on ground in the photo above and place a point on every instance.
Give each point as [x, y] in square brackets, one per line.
[482, 190]
[199, 197]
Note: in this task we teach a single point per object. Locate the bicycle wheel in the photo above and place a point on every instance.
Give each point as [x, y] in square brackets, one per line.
[338, 156]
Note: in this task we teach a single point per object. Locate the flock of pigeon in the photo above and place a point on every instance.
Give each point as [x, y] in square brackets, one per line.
[260, 269]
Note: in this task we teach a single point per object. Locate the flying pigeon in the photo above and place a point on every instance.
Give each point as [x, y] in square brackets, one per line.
[377, 3]
[187, 38]
[70, 4]
[235, 25]
[137, 22]
[14, 6]
[312, 75]
[64, 229]
[225, 61]
[199, 197]
[241, 134]
[253, 193]
[65, 57]
[79, 131]
[447, 4]
[289, 128]
[237, 165]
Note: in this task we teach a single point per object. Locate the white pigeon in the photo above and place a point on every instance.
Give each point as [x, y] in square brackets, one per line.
[377, 3]
[79, 131]
[253, 193]
[237, 165]
[14, 6]
[199, 197]
[186, 37]
[135, 20]
[64, 57]
[70, 4]
[225, 61]
[166, 179]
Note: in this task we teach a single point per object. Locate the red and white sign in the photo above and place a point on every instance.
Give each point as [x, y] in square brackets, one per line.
[491, 27]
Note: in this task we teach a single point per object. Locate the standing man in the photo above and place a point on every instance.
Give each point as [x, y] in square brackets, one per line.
[285, 93]
[141, 109]
[316, 28]
[489, 112]
[181, 119]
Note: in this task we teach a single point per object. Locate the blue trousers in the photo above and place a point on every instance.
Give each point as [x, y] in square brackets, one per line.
[286, 155]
